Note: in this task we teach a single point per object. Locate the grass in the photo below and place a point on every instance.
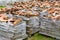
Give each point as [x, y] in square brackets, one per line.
[2, 6]
[40, 37]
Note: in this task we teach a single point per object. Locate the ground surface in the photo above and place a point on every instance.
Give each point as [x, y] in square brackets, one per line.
[2, 6]
[40, 37]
